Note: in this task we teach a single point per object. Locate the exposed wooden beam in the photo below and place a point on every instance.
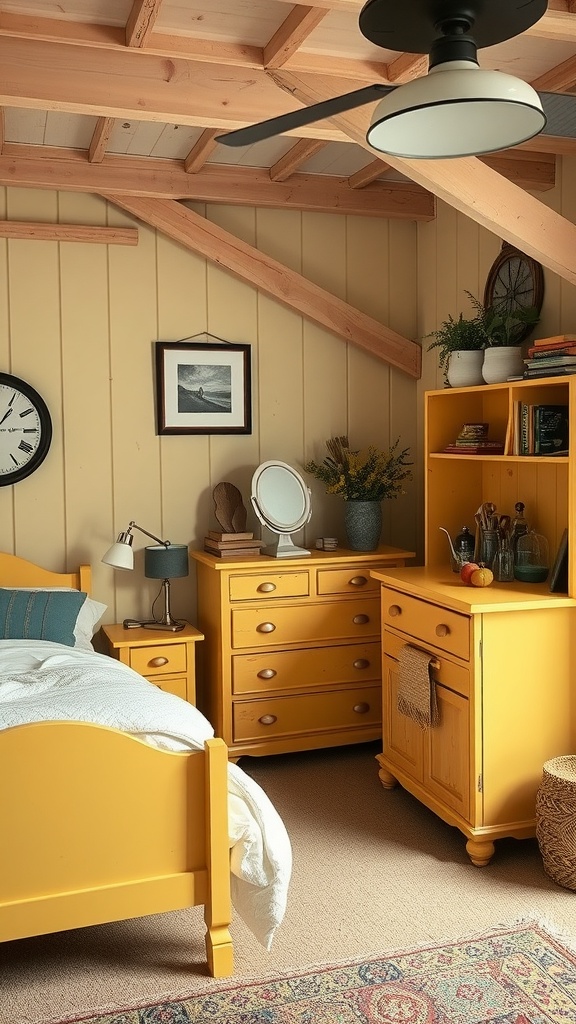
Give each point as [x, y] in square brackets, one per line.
[468, 185]
[558, 79]
[366, 175]
[292, 32]
[2, 131]
[39, 232]
[141, 21]
[297, 155]
[69, 170]
[556, 144]
[271, 277]
[100, 139]
[200, 151]
[534, 171]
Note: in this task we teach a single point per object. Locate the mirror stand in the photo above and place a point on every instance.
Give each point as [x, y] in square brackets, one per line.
[284, 547]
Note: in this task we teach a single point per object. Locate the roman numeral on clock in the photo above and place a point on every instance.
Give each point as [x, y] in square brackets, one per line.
[25, 446]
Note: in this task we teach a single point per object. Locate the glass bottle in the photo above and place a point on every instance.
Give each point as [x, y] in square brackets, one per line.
[503, 567]
[519, 526]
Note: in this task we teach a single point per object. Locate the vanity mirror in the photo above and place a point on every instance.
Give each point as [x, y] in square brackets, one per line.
[281, 500]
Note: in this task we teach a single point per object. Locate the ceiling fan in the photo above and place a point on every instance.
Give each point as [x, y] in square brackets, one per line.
[457, 109]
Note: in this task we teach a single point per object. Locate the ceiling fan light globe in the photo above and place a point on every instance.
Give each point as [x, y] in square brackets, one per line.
[457, 109]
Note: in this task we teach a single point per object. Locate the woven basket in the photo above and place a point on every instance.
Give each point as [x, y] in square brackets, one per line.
[556, 820]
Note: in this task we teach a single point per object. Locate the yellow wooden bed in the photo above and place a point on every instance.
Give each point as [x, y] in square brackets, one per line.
[97, 826]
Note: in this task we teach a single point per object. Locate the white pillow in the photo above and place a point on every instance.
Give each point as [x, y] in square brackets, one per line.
[88, 617]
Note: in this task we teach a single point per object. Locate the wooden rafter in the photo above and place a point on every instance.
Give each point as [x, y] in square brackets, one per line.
[271, 277]
[292, 32]
[200, 151]
[40, 232]
[141, 21]
[294, 158]
[100, 139]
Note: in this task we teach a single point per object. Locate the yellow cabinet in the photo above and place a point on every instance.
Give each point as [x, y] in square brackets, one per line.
[166, 659]
[502, 658]
[291, 659]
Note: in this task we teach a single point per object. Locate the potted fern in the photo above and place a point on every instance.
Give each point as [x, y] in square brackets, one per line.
[461, 346]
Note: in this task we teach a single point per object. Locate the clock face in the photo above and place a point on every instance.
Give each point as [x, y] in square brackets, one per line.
[25, 429]
[514, 280]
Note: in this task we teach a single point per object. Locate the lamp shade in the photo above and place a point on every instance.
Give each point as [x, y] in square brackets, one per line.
[457, 109]
[120, 555]
[163, 562]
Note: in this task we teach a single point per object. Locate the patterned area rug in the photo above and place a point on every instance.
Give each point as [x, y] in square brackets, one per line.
[520, 975]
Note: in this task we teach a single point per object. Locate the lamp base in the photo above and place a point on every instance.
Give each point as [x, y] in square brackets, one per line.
[173, 626]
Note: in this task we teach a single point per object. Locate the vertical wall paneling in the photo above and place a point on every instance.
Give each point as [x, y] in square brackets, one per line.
[7, 524]
[36, 356]
[136, 478]
[85, 385]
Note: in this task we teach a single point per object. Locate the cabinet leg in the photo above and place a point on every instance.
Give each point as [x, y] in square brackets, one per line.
[388, 780]
[480, 851]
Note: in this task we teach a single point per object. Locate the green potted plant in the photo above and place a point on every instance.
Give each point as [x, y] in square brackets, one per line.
[505, 329]
[461, 346]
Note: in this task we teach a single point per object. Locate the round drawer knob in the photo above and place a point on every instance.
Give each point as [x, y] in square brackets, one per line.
[267, 719]
[361, 620]
[442, 629]
[266, 588]
[358, 581]
[362, 708]
[267, 673]
[157, 662]
[265, 627]
[394, 610]
[361, 663]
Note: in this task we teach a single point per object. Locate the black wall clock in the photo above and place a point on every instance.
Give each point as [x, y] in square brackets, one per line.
[25, 429]
[515, 280]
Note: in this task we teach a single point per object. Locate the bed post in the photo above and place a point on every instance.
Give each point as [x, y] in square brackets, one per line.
[218, 910]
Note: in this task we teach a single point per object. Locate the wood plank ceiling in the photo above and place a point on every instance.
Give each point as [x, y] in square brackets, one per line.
[124, 98]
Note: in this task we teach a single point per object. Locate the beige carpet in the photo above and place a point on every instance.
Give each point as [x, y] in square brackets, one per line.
[373, 871]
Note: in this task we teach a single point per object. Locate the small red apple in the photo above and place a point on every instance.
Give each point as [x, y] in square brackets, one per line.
[466, 571]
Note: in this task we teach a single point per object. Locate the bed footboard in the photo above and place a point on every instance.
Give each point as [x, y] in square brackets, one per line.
[99, 826]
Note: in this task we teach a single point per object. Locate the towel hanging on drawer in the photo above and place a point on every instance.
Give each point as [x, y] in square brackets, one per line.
[416, 689]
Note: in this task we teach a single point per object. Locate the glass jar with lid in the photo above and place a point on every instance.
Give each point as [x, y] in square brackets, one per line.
[532, 561]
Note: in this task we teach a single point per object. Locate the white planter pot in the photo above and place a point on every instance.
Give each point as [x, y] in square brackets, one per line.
[465, 369]
[502, 362]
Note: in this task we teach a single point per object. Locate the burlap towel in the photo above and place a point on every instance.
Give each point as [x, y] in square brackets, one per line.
[416, 690]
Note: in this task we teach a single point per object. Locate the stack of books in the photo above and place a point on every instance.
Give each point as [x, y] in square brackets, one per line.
[551, 357]
[473, 440]
[232, 545]
[540, 429]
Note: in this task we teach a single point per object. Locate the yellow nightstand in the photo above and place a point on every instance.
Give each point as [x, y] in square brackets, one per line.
[166, 659]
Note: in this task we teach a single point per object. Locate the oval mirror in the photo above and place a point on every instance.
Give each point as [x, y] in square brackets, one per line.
[282, 503]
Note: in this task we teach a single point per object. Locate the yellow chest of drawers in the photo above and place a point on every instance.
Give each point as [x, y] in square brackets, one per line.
[501, 669]
[291, 659]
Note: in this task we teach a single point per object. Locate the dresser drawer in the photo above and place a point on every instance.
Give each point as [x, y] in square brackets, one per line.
[276, 627]
[346, 581]
[269, 585]
[304, 669]
[446, 673]
[314, 712]
[158, 660]
[171, 684]
[429, 623]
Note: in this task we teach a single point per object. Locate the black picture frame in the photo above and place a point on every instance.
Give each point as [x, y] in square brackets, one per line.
[203, 387]
[559, 571]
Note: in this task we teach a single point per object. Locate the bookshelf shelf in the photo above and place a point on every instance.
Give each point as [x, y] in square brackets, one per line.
[456, 485]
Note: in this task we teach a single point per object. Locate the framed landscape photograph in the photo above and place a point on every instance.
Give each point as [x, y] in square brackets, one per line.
[203, 387]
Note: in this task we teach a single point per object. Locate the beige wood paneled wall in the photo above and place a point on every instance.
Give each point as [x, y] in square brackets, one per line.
[78, 321]
[454, 256]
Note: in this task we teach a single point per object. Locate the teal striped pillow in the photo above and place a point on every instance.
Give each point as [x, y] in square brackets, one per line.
[40, 615]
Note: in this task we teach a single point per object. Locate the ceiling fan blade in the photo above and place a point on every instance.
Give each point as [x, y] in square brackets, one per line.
[560, 110]
[307, 115]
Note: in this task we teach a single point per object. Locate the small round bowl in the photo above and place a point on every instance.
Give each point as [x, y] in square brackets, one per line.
[531, 573]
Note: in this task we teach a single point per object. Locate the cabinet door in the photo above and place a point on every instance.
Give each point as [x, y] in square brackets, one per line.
[403, 739]
[447, 752]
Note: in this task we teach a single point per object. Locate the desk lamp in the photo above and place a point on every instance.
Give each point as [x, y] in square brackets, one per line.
[162, 561]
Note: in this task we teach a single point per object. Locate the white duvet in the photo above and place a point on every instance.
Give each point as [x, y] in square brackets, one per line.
[44, 681]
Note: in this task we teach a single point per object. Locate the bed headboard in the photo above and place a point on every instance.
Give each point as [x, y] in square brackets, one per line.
[17, 572]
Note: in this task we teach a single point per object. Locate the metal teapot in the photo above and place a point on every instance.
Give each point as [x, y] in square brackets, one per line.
[462, 549]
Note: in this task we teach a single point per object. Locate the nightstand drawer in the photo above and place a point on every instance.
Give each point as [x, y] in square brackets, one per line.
[311, 713]
[269, 585]
[429, 623]
[171, 684]
[275, 627]
[346, 581]
[305, 669]
[160, 659]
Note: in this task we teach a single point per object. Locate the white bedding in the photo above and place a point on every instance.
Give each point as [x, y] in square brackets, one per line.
[44, 681]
